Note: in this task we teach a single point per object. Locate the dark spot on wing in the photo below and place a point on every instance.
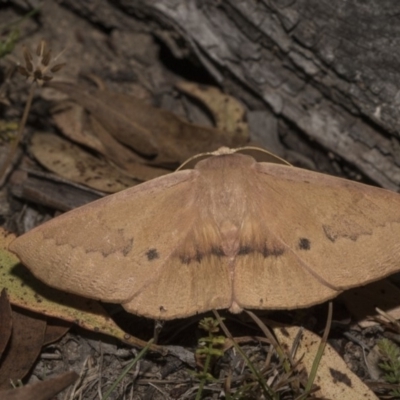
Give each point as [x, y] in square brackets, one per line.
[244, 250]
[339, 376]
[199, 256]
[152, 254]
[217, 251]
[304, 244]
[274, 251]
[188, 258]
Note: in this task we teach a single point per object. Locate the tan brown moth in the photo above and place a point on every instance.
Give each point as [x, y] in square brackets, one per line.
[230, 233]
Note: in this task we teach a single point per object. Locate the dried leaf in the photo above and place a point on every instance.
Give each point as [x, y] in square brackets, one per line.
[70, 161]
[122, 157]
[24, 347]
[149, 131]
[229, 114]
[45, 390]
[81, 128]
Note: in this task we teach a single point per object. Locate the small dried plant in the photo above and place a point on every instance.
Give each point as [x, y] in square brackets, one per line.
[38, 69]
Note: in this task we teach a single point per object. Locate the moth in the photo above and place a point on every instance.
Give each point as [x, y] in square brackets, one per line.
[230, 233]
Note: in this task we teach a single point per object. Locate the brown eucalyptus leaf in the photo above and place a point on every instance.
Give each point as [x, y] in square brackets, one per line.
[45, 390]
[74, 122]
[149, 131]
[229, 114]
[70, 161]
[231, 233]
[123, 157]
[25, 345]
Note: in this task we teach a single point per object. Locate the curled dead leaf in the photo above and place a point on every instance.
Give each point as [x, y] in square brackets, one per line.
[152, 132]
[74, 122]
[229, 114]
[70, 161]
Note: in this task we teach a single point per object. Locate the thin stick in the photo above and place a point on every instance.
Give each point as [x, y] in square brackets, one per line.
[17, 140]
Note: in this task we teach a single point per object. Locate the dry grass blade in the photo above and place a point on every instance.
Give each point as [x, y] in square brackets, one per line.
[128, 368]
[283, 357]
[319, 354]
[269, 394]
[17, 140]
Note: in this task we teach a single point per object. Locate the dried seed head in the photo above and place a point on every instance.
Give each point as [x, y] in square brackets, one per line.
[23, 71]
[28, 59]
[57, 67]
[36, 68]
